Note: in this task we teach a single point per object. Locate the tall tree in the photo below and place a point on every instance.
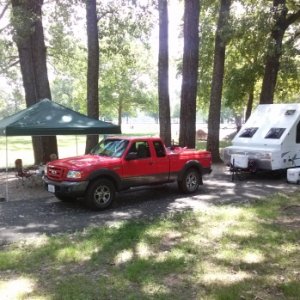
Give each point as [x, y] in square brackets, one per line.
[217, 82]
[163, 74]
[29, 37]
[93, 69]
[281, 21]
[189, 73]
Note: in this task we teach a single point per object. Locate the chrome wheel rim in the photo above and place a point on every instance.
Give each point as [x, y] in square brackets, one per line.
[102, 195]
[192, 182]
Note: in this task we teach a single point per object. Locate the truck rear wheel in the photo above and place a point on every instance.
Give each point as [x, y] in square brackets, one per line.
[190, 181]
[100, 194]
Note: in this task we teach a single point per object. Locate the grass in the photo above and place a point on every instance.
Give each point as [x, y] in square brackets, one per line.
[21, 147]
[224, 252]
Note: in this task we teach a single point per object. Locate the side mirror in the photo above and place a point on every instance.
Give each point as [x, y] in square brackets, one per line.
[131, 156]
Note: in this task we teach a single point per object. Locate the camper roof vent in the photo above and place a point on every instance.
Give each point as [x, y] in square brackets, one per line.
[290, 112]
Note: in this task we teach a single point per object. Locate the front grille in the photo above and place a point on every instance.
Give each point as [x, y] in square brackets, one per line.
[55, 173]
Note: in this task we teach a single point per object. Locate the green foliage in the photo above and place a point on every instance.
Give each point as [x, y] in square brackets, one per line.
[248, 34]
[245, 55]
[125, 85]
[127, 69]
[120, 20]
[208, 18]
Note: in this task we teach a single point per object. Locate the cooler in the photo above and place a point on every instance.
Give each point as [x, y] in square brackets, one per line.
[293, 175]
[239, 161]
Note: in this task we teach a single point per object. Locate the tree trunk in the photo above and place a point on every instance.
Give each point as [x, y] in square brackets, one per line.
[27, 21]
[187, 132]
[274, 53]
[238, 122]
[282, 20]
[93, 69]
[163, 74]
[249, 103]
[217, 83]
[120, 112]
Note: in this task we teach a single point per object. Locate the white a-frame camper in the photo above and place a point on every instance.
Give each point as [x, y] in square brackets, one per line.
[269, 140]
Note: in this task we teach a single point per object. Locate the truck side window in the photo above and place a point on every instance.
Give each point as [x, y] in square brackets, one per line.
[141, 148]
[159, 149]
[298, 134]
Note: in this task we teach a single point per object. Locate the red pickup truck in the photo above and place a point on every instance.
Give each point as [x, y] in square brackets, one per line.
[119, 163]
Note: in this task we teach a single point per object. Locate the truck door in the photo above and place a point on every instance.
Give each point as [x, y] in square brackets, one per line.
[161, 161]
[139, 167]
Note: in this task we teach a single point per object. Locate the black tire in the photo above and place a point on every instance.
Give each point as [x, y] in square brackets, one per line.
[190, 181]
[100, 194]
[63, 198]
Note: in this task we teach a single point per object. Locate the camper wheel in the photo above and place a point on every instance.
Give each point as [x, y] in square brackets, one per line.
[252, 166]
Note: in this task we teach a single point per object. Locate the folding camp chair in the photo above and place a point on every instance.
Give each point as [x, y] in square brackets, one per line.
[22, 174]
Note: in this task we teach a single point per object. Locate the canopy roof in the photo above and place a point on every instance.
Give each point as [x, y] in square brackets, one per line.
[49, 118]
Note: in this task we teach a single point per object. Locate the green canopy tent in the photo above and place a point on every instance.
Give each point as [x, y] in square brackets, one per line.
[49, 118]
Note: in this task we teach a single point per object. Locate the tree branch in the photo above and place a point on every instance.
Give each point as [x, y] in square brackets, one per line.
[292, 18]
[10, 66]
[3, 11]
[101, 16]
[3, 28]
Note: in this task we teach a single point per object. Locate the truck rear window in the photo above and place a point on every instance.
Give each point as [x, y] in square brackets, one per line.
[159, 149]
[275, 133]
[248, 132]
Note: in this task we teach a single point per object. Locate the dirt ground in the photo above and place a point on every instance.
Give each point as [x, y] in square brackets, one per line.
[29, 211]
[14, 189]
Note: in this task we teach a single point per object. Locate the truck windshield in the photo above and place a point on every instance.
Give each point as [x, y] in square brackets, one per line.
[110, 147]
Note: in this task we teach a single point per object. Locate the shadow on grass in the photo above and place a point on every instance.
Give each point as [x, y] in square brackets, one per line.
[223, 253]
[104, 263]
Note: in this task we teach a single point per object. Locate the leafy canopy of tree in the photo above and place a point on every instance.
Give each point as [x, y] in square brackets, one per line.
[128, 72]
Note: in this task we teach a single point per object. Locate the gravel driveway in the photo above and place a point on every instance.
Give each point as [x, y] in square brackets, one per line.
[30, 218]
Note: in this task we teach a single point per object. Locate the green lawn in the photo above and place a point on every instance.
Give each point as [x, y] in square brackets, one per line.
[21, 147]
[225, 252]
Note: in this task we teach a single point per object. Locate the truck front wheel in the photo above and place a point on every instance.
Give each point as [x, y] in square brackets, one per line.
[100, 194]
[190, 181]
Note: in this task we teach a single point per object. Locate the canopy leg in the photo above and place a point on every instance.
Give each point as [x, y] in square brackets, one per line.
[76, 145]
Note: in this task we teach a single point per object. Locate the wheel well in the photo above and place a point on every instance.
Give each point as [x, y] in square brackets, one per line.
[190, 165]
[106, 174]
[107, 177]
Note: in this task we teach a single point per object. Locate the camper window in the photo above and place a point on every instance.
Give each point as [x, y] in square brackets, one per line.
[275, 133]
[298, 134]
[248, 132]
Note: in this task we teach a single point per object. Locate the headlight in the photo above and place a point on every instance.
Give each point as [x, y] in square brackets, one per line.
[74, 174]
